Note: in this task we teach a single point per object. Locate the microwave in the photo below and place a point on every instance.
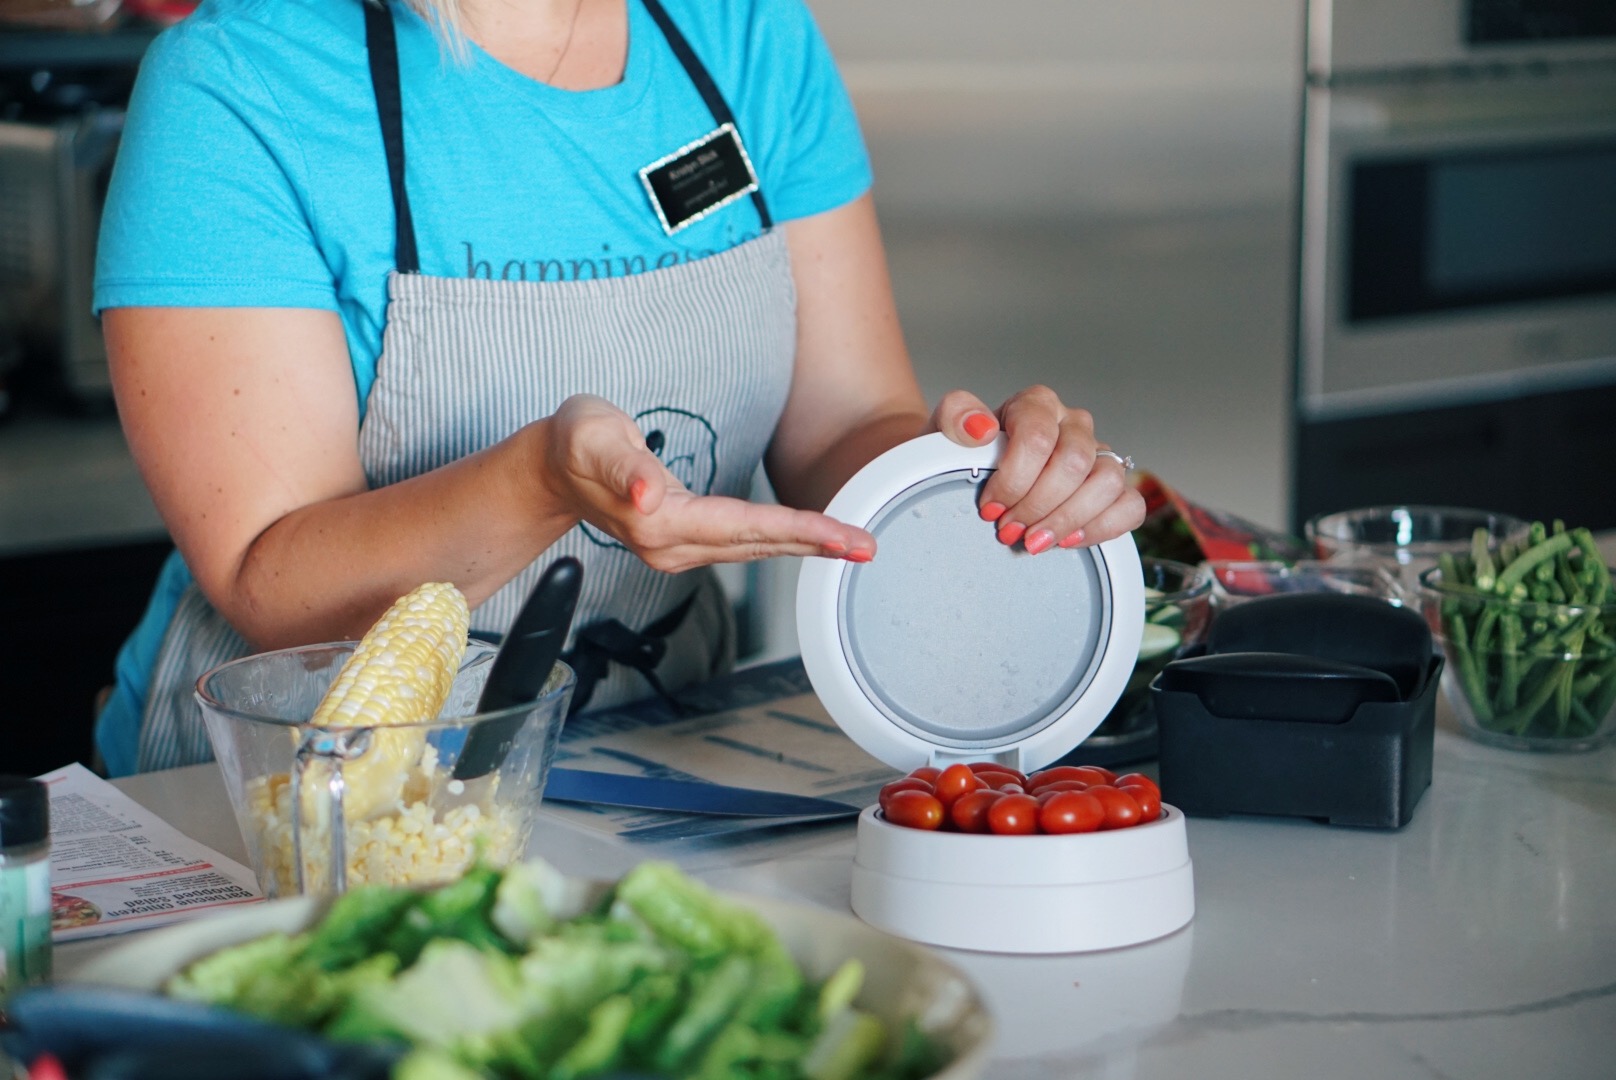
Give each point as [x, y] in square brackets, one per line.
[1459, 240]
[1455, 275]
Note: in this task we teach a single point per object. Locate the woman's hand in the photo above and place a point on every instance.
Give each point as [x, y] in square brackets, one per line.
[1050, 489]
[597, 463]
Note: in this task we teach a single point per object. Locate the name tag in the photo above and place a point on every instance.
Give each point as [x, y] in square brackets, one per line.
[697, 179]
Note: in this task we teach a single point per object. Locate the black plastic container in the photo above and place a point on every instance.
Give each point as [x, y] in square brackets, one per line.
[1314, 705]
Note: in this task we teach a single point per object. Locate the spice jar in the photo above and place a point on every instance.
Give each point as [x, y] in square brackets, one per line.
[25, 895]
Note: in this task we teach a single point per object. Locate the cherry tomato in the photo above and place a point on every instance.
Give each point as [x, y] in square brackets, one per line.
[1071, 812]
[1007, 786]
[915, 810]
[981, 767]
[955, 781]
[1013, 815]
[969, 812]
[1148, 798]
[928, 773]
[1121, 809]
[908, 783]
[1087, 773]
[1064, 785]
[1139, 779]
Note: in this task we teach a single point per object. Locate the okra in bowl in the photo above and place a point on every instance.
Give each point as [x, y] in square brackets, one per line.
[1529, 632]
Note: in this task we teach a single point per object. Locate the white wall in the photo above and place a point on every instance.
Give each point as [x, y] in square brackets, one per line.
[1084, 107]
[1091, 194]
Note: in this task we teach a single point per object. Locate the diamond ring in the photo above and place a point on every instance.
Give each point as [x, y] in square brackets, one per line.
[1125, 462]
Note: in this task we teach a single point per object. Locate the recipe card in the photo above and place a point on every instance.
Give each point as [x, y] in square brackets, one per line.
[115, 866]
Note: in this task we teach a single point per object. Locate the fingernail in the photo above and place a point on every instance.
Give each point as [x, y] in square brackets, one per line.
[977, 425]
[1073, 540]
[992, 511]
[833, 547]
[860, 555]
[1011, 532]
[1039, 540]
[636, 491]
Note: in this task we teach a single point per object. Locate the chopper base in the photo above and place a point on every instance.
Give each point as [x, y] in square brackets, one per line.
[1024, 894]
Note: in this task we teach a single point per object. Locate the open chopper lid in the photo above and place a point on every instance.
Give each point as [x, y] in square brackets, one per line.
[951, 646]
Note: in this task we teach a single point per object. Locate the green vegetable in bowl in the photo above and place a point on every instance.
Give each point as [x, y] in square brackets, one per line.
[1531, 633]
[489, 977]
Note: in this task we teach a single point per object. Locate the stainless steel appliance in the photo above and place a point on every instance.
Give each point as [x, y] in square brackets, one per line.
[52, 181]
[61, 114]
[1456, 306]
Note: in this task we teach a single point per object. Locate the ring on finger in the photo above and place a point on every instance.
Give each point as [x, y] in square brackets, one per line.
[1125, 461]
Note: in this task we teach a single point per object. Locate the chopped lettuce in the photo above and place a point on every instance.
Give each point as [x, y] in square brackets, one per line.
[512, 976]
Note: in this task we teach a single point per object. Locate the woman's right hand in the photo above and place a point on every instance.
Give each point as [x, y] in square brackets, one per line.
[597, 463]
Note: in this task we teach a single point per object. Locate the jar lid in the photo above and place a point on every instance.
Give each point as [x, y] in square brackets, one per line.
[24, 811]
[951, 646]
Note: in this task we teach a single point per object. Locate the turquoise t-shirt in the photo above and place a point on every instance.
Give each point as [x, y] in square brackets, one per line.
[252, 174]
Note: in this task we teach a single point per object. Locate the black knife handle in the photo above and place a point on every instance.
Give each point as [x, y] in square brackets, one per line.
[522, 666]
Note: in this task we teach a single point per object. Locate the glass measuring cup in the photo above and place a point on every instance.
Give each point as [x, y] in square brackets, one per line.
[325, 808]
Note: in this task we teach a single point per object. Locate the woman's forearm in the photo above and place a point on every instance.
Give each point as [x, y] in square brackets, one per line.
[328, 570]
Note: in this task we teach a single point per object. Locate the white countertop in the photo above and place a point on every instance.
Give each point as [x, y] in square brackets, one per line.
[1477, 942]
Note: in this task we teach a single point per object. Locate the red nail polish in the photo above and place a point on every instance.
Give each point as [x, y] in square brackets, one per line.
[1011, 532]
[1073, 540]
[636, 491]
[977, 425]
[992, 511]
[834, 547]
[860, 555]
[1039, 541]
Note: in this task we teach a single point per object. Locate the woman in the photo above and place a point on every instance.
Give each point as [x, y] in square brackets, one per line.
[444, 291]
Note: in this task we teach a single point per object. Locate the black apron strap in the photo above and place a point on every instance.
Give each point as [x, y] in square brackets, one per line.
[600, 644]
[704, 86]
[382, 44]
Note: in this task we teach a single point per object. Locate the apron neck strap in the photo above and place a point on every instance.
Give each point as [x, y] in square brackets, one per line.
[703, 82]
[382, 45]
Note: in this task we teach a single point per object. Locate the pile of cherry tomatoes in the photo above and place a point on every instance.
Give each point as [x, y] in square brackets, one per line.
[986, 797]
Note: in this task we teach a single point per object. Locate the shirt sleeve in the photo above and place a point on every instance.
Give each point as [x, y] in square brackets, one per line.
[207, 202]
[816, 159]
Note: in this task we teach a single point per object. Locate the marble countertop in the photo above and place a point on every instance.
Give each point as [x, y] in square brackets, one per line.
[1477, 942]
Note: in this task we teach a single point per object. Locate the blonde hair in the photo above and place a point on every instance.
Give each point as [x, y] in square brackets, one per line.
[446, 20]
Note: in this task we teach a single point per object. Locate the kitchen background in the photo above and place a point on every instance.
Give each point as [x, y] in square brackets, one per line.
[1094, 194]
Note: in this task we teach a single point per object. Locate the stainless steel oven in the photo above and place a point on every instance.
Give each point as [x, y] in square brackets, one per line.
[62, 95]
[1456, 307]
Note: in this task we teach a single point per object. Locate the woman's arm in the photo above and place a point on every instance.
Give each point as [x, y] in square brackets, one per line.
[854, 395]
[244, 425]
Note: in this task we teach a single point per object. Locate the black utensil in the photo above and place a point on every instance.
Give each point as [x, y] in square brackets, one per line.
[522, 665]
[1358, 630]
[101, 1033]
[1278, 686]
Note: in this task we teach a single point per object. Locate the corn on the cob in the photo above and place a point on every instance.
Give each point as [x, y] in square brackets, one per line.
[400, 673]
[405, 664]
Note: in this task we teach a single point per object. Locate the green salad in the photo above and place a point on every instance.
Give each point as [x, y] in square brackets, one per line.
[491, 976]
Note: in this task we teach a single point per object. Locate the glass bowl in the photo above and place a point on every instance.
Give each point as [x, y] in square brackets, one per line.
[1522, 674]
[325, 808]
[1178, 611]
[1407, 540]
[1235, 581]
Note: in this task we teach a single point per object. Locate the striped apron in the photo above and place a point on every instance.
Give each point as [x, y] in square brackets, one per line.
[700, 354]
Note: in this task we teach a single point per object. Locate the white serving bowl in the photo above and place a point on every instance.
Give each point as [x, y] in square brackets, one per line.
[900, 979]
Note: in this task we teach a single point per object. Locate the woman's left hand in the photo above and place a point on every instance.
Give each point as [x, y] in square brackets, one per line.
[1051, 489]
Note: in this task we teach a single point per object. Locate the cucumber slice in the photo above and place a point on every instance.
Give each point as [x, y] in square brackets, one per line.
[1167, 615]
[1157, 640]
